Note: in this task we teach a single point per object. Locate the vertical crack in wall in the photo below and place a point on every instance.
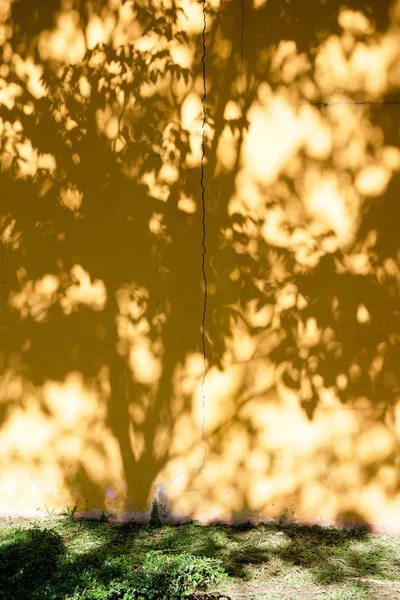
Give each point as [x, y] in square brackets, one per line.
[241, 47]
[203, 266]
[242, 101]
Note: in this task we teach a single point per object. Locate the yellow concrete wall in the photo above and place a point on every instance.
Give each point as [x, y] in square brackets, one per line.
[200, 275]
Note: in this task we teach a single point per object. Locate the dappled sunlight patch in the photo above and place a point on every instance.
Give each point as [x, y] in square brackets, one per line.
[248, 199]
[161, 443]
[258, 316]
[258, 462]
[332, 70]
[375, 444]
[35, 298]
[345, 62]
[350, 151]
[276, 432]
[328, 199]
[65, 42]
[317, 133]
[98, 458]
[331, 203]
[227, 149]
[137, 442]
[71, 198]
[83, 291]
[260, 379]
[183, 433]
[388, 271]
[156, 189]
[68, 432]
[357, 263]
[304, 463]
[373, 180]
[27, 158]
[178, 471]
[144, 355]
[31, 72]
[44, 482]
[98, 31]
[191, 374]
[10, 236]
[376, 58]
[108, 122]
[290, 64]
[232, 111]
[192, 19]
[187, 204]
[14, 436]
[389, 156]
[11, 383]
[182, 54]
[342, 381]
[354, 21]
[363, 315]
[222, 387]
[235, 442]
[309, 334]
[243, 344]
[386, 479]
[157, 226]
[84, 87]
[192, 121]
[71, 402]
[132, 301]
[314, 495]
[9, 92]
[168, 174]
[286, 298]
[263, 156]
[146, 367]
[47, 162]
[273, 230]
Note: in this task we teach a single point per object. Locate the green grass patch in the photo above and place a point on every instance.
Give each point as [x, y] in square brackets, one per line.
[68, 559]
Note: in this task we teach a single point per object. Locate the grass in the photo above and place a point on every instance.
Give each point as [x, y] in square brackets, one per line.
[68, 559]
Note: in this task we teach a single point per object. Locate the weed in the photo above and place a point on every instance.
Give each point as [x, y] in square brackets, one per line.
[103, 517]
[173, 577]
[69, 513]
[49, 513]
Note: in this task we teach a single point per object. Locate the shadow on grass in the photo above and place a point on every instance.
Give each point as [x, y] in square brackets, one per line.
[36, 563]
[91, 560]
[315, 548]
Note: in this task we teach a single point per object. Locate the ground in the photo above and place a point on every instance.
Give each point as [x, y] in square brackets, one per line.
[264, 562]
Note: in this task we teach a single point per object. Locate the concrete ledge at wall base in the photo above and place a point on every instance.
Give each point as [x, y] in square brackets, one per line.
[378, 528]
[131, 517]
[144, 518]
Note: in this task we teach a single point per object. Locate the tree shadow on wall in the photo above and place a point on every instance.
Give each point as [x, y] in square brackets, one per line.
[104, 234]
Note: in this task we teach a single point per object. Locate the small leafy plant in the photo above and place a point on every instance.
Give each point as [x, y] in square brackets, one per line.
[49, 513]
[103, 517]
[69, 513]
[164, 577]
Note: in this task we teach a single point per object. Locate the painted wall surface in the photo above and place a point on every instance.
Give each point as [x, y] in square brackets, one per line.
[200, 261]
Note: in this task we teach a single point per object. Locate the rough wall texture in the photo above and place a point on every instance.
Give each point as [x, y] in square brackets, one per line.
[200, 259]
